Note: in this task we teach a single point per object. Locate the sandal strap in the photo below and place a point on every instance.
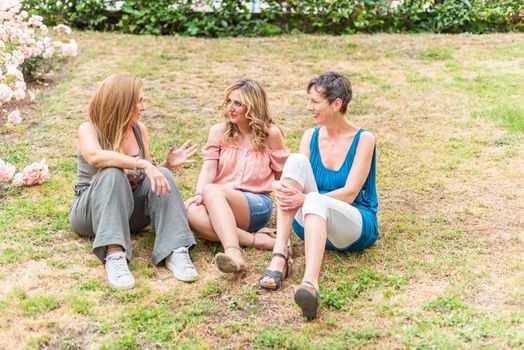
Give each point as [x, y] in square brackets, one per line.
[279, 255]
[275, 275]
[311, 285]
[232, 247]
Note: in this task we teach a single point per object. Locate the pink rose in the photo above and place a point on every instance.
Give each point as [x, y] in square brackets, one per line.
[6, 171]
[19, 94]
[18, 181]
[62, 29]
[33, 174]
[14, 117]
[5, 93]
[70, 49]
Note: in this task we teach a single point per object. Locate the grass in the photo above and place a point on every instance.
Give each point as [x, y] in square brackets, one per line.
[447, 272]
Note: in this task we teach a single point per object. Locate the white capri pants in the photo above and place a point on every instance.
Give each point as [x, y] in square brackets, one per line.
[344, 222]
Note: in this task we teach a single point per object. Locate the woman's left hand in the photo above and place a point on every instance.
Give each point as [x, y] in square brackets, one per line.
[181, 155]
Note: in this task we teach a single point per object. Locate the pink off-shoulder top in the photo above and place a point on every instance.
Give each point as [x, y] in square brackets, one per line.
[245, 169]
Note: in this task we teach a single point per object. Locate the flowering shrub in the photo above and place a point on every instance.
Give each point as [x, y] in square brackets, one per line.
[24, 40]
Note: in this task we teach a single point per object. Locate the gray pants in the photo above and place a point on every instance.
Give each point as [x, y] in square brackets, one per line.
[110, 211]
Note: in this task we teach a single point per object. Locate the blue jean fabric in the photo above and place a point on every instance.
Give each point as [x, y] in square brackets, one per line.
[260, 210]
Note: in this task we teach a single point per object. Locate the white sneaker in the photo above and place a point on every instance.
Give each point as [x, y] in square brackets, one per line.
[118, 273]
[180, 264]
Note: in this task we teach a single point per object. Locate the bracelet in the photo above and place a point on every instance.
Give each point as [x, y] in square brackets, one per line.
[136, 163]
[196, 194]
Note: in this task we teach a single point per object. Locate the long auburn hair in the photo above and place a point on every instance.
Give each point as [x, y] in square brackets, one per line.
[112, 107]
[260, 120]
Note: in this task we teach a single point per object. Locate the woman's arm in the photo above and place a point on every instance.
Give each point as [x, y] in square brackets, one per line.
[90, 149]
[359, 170]
[93, 153]
[175, 157]
[145, 140]
[305, 141]
[275, 141]
[208, 172]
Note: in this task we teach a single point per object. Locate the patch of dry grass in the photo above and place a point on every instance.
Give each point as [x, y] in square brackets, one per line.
[447, 272]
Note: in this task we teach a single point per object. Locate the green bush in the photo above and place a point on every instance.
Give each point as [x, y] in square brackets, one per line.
[233, 18]
[84, 14]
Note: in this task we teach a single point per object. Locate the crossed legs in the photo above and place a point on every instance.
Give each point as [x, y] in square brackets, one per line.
[224, 216]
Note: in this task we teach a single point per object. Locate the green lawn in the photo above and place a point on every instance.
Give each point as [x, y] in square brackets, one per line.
[448, 271]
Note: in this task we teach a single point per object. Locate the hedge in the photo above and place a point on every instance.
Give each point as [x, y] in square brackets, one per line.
[233, 18]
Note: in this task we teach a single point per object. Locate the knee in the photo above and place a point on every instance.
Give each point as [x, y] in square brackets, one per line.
[112, 173]
[296, 160]
[314, 203]
[167, 174]
[115, 176]
[293, 169]
[192, 213]
[211, 191]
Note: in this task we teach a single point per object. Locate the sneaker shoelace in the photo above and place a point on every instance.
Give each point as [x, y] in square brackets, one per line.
[182, 257]
[120, 265]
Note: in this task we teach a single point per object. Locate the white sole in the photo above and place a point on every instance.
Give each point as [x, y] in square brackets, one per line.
[182, 277]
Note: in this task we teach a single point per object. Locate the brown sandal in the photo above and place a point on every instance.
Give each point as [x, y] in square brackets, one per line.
[308, 299]
[226, 264]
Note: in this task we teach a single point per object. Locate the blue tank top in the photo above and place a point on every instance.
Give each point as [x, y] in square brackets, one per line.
[366, 201]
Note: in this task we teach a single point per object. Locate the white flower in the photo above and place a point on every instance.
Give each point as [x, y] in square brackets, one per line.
[14, 117]
[19, 94]
[395, 3]
[5, 93]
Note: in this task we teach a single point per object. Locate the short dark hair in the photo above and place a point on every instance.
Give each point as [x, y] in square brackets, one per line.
[333, 85]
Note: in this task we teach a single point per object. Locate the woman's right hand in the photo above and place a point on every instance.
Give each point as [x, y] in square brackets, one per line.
[159, 182]
[196, 200]
[287, 197]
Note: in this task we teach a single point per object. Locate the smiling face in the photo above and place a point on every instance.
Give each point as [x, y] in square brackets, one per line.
[236, 110]
[319, 106]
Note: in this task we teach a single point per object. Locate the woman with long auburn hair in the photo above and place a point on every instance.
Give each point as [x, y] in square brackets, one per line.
[242, 157]
[120, 190]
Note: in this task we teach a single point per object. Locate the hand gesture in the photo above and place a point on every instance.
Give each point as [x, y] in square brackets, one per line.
[180, 156]
[159, 182]
[288, 197]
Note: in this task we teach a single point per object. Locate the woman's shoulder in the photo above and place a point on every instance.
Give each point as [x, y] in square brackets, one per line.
[86, 126]
[308, 134]
[367, 136]
[216, 132]
[275, 138]
[218, 128]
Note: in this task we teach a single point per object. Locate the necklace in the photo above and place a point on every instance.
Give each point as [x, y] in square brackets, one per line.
[331, 146]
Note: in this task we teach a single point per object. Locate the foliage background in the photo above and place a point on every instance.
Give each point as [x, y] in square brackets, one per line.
[233, 17]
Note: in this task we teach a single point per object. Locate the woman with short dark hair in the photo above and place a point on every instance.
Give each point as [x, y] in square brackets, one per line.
[327, 191]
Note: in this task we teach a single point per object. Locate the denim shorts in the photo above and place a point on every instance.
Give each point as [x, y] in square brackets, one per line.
[260, 209]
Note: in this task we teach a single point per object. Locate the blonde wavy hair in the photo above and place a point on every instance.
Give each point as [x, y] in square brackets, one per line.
[112, 107]
[260, 120]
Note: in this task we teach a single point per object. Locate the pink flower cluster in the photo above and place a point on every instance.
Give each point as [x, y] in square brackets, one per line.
[6, 171]
[33, 174]
[22, 37]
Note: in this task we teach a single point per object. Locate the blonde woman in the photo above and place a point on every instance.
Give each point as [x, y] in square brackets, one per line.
[120, 190]
[243, 156]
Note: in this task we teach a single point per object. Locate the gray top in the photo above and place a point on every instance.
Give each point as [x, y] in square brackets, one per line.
[86, 172]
